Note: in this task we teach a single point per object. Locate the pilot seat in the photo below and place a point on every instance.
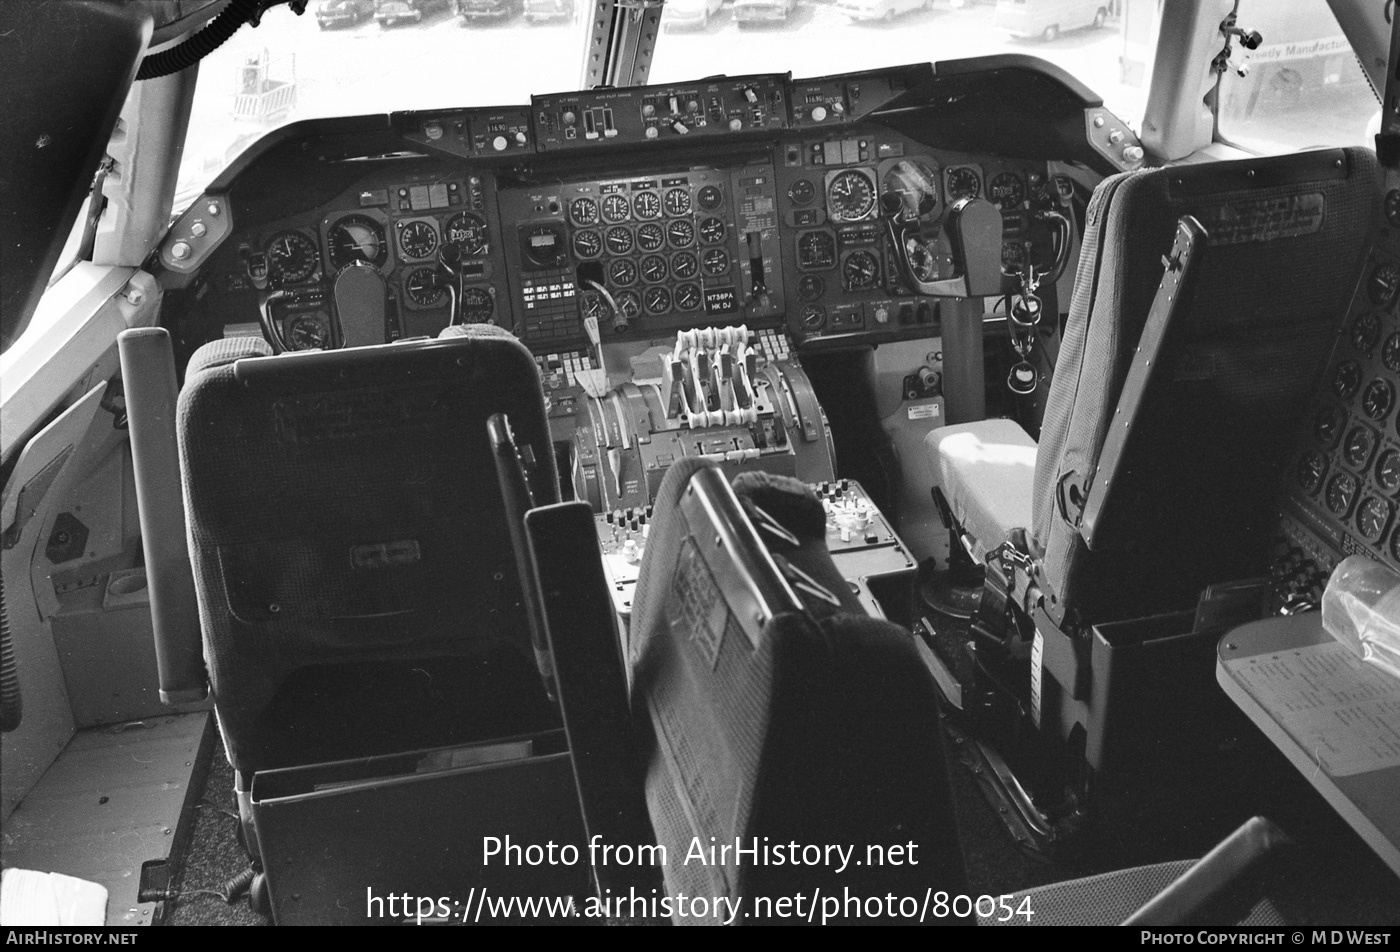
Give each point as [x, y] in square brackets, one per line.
[1206, 301]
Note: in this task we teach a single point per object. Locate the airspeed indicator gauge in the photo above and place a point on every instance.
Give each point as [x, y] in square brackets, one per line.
[292, 256]
[417, 239]
[850, 196]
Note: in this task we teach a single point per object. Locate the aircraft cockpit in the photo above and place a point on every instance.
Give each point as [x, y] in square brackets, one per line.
[501, 454]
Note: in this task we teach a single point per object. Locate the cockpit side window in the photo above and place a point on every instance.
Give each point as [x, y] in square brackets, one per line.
[1300, 87]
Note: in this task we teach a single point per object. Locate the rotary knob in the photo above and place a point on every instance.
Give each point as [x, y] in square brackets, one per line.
[499, 143]
[818, 113]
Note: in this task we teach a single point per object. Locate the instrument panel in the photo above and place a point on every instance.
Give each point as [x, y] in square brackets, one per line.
[1344, 491]
[744, 200]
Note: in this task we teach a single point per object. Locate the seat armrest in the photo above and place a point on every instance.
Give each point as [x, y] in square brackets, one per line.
[579, 629]
[1218, 872]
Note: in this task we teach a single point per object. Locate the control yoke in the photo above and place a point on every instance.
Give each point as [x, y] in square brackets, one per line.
[974, 229]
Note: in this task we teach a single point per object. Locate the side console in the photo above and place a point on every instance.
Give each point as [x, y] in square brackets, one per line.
[1341, 497]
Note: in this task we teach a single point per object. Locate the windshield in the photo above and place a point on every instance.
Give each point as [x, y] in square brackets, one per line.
[356, 57]
[351, 57]
[1105, 44]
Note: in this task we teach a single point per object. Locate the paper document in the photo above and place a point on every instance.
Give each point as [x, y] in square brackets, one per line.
[1344, 713]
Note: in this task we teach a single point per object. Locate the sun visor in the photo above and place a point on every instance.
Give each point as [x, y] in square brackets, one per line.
[68, 67]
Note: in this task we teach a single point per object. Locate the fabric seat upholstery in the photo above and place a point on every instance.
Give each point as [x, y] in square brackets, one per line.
[824, 732]
[356, 586]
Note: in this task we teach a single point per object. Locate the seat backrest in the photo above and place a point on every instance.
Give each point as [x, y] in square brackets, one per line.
[357, 588]
[1286, 239]
[811, 724]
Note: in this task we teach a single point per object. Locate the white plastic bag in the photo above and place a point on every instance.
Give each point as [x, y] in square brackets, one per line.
[1361, 609]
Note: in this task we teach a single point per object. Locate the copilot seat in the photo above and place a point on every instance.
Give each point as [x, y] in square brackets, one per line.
[1283, 244]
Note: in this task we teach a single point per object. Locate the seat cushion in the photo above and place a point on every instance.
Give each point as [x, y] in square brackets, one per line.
[987, 472]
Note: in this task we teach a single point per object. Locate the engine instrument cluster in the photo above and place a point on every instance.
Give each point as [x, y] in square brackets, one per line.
[1344, 492]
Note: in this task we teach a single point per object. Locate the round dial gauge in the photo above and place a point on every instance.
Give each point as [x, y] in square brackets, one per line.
[1390, 353]
[712, 231]
[588, 243]
[647, 205]
[1378, 398]
[291, 257]
[308, 332]
[813, 316]
[802, 192]
[357, 238]
[618, 240]
[477, 305]
[1312, 469]
[1327, 426]
[654, 269]
[1360, 444]
[810, 287]
[650, 237]
[629, 304]
[677, 202]
[1392, 207]
[710, 197]
[1341, 493]
[422, 288]
[1388, 471]
[680, 233]
[468, 233]
[418, 239]
[656, 300]
[963, 182]
[1365, 331]
[1372, 518]
[860, 271]
[1347, 379]
[687, 297]
[1384, 284]
[584, 211]
[615, 207]
[816, 251]
[684, 265]
[595, 306]
[850, 196]
[1006, 190]
[622, 272]
[715, 261]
